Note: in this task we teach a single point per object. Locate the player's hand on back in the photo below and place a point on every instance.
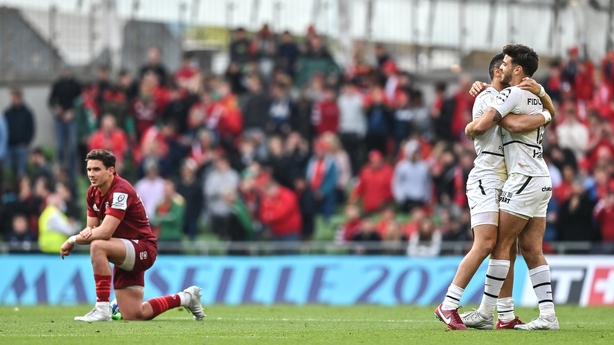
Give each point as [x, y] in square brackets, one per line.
[66, 249]
[530, 85]
[478, 87]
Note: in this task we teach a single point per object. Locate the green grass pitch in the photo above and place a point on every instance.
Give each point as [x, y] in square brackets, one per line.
[292, 325]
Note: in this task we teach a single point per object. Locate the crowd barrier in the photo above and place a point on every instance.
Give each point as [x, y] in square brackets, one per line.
[334, 280]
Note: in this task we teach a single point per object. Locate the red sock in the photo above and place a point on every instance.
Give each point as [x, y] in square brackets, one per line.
[164, 303]
[103, 287]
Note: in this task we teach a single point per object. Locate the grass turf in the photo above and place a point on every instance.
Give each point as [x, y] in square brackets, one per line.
[292, 325]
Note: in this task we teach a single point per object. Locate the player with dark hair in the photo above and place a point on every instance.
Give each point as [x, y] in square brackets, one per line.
[483, 190]
[525, 195]
[118, 232]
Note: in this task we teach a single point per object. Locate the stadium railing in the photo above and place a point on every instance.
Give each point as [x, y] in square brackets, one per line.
[263, 248]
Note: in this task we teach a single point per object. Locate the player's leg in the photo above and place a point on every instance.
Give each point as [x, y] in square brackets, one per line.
[505, 304]
[129, 281]
[510, 225]
[531, 245]
[102, 252]
[485, 237]
[132, 307]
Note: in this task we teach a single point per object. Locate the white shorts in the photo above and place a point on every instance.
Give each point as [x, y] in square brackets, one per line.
[483, 197]
[526, 196]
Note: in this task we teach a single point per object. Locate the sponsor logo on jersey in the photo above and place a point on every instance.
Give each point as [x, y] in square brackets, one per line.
[95, 208]
[502, 96]
[533, 101]
[120, 201]
[506, 197]
[547, 189]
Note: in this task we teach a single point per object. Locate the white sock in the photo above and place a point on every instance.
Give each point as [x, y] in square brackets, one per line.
[184, 298]
[453, 297]
[505, 309]
[495, 275]
[540, 279]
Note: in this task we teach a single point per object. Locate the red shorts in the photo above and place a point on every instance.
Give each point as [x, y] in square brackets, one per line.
[140, 255]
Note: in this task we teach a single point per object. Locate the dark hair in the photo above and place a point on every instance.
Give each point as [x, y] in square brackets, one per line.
[106, 157]
[495, 62]
[523, 56]
[16, 91]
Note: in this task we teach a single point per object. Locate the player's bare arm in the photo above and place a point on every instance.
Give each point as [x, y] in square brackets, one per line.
[103, 232]
[525, 123]
[488, 120]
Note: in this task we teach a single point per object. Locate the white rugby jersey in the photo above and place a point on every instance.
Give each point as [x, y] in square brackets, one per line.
[490, 161]
[523, 151]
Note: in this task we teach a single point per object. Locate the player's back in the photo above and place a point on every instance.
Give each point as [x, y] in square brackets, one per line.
[488, 146]
[523, 151]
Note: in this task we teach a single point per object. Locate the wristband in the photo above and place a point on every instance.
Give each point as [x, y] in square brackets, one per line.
[547, 116]
[542, 93]
[72, 239]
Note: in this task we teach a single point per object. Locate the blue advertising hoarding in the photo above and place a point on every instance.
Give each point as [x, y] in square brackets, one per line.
[335, 280]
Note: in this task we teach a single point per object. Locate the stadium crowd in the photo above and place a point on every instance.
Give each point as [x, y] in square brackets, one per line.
[286, 144]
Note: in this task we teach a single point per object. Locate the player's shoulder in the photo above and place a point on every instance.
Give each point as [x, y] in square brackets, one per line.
[509, 93]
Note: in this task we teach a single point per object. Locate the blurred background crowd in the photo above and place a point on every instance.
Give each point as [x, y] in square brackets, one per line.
[288, 146]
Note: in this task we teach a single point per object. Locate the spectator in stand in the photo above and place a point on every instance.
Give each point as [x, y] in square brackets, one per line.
[64, 92]
[188, 76]
[222, 179]
[604, 216]
[257, 106]
[54, 227]
[421, 124]
[4, 136]
[279, 163]
[352, 124]
[402, 119]
[411, 183]
[111, 138]
[264, 49]
[442, 113]
[236, 78]
[167, 219]
[387, 217]
[20, 237]
[128, 86]
[71, 207]
[554, 83]
[572, 134]
[151, 187]
[607, 69]
[374, 184]
[240, 223]
[224, 117]
[443, 172]
[282, 109]
[601, 143]
[239, 47]
[575, 218]
[391, 73]
[154, 65]
[177, 108]
[380, 120]
[603, 100]
[463, 103]
[346, 231]
[279, 210]
[325, 116]
[307, 205]
[101, 85]
[189, 188]
[367, 233]
[40, 166]
[342, 162]
[301, 122]
[426, 242]
[20, 127]
[564, 190]
[287, 53]
[322, 175]
[297, 148]
[23, 202]
[381, 55]
[579, 75]
[145, 108]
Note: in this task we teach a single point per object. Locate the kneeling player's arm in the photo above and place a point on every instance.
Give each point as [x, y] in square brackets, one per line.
[103, 232]
[487, 121]
[525, 123]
